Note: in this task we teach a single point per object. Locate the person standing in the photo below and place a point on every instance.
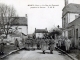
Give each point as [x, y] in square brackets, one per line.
[67, 44]
[51, 45]
[17, 44]
[59, 42]
[43, 45]
[24, 43]
[38, 45]
[2, 46]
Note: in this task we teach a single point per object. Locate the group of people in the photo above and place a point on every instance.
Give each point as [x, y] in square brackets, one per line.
[44, 45]
[64, 44]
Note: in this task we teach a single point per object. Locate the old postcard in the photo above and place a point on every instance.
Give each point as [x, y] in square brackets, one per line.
[39, 29]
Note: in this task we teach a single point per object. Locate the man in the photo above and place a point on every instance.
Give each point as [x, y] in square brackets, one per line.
[63, 44]
[51, 45]
[38, 45]
[59, 42]
[43, 45]
[67, 44]
[24, 43]
[2, 46]
[17, 44]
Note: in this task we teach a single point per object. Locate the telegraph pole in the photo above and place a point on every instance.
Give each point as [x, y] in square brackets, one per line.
[27, 24]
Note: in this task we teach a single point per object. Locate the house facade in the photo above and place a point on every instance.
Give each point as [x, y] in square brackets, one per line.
[70, 22]
[19, 29]
[39, 33]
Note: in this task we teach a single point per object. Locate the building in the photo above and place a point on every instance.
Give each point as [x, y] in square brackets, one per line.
[20, 24]
[39, 33]
[71, 22]
[19, 27]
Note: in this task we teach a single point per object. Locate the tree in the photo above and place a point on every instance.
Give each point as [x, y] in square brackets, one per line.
[56, 31]
[6, 14]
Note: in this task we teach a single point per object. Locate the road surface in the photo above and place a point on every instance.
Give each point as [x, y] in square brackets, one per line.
[36, 55]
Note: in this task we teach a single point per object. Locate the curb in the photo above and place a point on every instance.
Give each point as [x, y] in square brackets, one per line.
[70, 56]
[10, 53]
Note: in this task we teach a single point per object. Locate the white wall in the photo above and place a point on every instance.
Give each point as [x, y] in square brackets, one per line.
[12, 39]
[71, 17]
[39, 35]
[65, 33]
[65, 21]
[23, 29]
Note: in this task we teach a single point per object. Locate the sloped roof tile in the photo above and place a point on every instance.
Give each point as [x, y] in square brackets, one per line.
[15, 20]
[71, 8]
[19, 21]
[75, 22]
[41, 31]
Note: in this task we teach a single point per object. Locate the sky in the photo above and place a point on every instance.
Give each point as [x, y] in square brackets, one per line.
[40, 18]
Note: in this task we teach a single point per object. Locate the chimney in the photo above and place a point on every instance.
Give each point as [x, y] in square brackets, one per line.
[35, 30]
[27, 23]
[46, 28]
[66, 2]
[26, 15]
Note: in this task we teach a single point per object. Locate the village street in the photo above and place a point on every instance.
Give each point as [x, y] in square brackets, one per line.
[36, 55]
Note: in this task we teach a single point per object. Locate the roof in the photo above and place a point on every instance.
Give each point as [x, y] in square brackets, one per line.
[71, 8]
[41, 31]
[75, 22]
[15, 21]
[19, 21]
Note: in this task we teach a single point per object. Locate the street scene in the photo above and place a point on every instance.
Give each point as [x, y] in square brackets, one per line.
[32, 31]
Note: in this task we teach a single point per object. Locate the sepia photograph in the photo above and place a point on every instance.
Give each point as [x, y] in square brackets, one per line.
[39, 29]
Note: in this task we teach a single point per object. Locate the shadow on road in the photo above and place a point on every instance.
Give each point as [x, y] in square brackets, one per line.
[42, 52]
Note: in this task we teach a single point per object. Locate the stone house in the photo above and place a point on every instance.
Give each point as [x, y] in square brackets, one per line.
[71, 22]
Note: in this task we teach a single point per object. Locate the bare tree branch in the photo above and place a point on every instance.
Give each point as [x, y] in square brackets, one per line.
[6, 14]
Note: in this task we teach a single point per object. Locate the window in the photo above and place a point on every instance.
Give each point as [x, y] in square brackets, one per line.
[76, 33]
[64, 22]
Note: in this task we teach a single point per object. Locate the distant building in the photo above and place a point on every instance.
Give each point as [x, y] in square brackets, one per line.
[30, 36]
[71, 22]
[20, 24]
[39, 33]
[19, 27]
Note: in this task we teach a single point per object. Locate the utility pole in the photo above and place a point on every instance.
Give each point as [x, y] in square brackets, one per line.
[27, 24]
